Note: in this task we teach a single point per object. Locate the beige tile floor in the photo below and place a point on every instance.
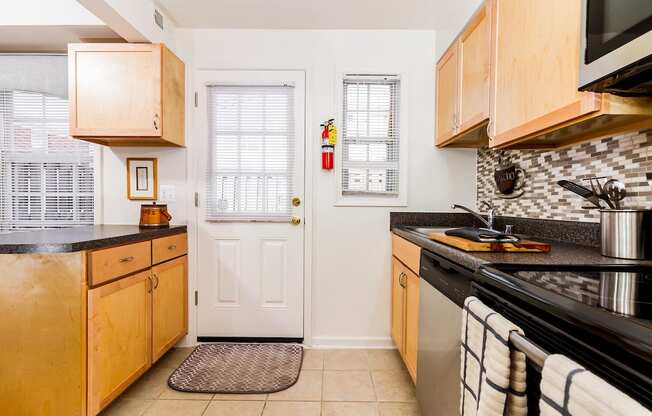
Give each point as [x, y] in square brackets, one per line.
[332, 383]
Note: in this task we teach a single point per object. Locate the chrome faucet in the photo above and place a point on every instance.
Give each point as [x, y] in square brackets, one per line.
[491, 214]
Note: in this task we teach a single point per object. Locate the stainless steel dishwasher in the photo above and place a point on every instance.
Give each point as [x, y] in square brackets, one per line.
[442, 289]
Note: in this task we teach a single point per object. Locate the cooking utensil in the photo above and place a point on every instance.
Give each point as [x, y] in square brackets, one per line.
[626, 233]
[615, 191]
[598, 190]
[154, 215]
[580, 190]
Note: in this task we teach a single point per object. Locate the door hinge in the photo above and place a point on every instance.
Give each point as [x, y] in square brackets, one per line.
[196, 298]
[196, 199]
[196, 99]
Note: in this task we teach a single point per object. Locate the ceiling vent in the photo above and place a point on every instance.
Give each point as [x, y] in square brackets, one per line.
[158, 19]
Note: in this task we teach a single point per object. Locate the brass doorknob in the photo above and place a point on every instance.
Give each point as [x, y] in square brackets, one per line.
[296, 220]
[296, 201]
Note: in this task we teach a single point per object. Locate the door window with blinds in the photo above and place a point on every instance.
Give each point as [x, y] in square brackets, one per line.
[47, 178]
[251, 156]
[370, 153]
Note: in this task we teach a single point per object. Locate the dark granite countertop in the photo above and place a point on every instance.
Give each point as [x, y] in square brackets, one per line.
[573, 243]
[90, 237]
[560, 254]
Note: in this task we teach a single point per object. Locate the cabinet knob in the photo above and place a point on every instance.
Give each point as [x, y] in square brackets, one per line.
[126, 259]
[295, 220]
[402, 280]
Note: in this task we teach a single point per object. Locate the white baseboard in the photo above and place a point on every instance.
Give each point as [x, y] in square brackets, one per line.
[357, 342]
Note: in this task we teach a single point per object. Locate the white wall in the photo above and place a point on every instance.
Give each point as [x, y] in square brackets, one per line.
[116, 208]
[454, 23]
[351, 245]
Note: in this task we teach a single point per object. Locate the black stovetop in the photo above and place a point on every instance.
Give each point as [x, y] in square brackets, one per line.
[599, 316]
[623, 292]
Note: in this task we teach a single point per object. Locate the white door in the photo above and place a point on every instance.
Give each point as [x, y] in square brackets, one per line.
[251, 166]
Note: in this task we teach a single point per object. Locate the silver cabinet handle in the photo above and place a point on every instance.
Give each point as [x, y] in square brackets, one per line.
[155, 123]
[150, 284]
[126, 259]
[489, 126]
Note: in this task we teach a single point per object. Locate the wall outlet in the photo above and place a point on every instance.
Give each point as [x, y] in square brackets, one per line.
[168, 193]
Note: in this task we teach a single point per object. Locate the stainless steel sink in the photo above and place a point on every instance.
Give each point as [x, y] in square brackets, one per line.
[429, 230]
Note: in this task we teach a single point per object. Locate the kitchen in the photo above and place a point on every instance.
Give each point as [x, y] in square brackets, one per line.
[334, 276]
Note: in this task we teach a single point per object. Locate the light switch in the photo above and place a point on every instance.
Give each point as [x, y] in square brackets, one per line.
[168, 193]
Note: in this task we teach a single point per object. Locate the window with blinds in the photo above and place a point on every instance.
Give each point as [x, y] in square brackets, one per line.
[370, 135]
[251, 158]
[47, 178]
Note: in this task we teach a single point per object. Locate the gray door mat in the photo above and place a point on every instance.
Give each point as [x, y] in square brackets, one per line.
[239, 368]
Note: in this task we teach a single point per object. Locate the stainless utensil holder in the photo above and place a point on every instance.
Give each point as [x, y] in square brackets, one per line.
[626, 233]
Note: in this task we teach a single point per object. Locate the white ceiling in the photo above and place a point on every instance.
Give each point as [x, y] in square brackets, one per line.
[316, 14]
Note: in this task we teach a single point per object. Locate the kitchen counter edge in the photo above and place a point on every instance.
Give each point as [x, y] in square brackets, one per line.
[92, 237]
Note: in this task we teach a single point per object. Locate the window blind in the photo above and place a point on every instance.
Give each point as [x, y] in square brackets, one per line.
[251, 157]
[370, 135]
[47, 178]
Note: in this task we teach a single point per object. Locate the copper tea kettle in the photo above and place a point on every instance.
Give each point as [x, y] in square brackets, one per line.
[154, 215]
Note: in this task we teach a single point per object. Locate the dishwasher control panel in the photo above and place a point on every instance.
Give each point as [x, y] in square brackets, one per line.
[452, 280]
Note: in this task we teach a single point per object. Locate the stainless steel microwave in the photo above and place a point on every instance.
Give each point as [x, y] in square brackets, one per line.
[616, 47]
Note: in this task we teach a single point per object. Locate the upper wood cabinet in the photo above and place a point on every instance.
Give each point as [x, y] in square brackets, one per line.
[510, 79]
[535, 100]
[462, 78]
[126, 94]
[447, 95]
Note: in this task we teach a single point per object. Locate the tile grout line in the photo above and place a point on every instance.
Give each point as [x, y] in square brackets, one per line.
[205, 408]
[323, 375]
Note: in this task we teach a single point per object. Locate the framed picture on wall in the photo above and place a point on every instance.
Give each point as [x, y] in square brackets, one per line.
[142, 180]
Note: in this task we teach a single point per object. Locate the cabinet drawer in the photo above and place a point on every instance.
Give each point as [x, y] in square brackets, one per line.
[406, 252]
[118, 261]
[169, 247]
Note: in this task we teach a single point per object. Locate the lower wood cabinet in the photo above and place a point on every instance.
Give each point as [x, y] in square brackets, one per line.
[411, 322]
[132, 322]
[119, 337]
[398, 306]
[78, 328]
[169, 305]
[405, 314]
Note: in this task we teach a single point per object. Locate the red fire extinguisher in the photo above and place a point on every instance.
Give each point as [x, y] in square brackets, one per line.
[328, 140]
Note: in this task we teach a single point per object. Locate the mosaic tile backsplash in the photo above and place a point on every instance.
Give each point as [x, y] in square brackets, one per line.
[627, 158]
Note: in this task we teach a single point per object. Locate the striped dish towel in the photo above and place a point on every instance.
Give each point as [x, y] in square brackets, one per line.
[492, 374]
[569, 389]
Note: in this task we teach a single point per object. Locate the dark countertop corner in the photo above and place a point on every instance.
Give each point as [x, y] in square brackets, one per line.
[65, 240]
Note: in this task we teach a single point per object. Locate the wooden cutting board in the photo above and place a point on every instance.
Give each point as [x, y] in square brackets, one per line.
[524, 246]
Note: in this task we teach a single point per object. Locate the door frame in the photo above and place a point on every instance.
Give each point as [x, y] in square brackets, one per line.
[192, 171]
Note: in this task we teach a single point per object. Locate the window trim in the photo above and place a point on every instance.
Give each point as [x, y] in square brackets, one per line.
[343, 200]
